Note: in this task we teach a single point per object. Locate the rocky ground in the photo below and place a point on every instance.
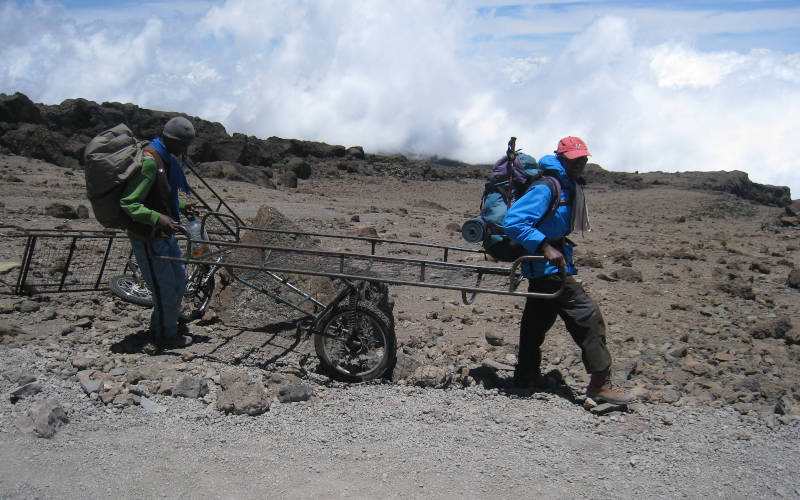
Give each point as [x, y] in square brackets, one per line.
[699, 289]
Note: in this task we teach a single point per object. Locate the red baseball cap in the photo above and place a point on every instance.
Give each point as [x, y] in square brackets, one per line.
[572, 147]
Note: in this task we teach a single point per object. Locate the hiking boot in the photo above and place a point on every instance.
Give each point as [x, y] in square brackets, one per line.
[601, 390]
[179, 341]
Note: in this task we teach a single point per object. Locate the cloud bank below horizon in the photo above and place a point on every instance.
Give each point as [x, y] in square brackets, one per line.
[419, 77]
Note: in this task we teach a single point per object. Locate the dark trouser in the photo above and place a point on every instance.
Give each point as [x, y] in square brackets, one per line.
[581, 316]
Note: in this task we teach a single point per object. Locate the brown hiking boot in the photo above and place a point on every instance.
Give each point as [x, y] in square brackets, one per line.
[600, 390]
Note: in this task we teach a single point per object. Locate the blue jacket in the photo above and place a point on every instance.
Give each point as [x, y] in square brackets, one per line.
[521, 219]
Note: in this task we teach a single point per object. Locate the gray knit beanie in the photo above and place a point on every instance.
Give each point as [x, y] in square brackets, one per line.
[180, 129]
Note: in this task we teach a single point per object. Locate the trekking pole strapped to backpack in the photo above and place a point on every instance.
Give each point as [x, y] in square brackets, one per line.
[511, 155]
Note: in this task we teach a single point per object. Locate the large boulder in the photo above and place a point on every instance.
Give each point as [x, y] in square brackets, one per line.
[234, 171]
[18, 108]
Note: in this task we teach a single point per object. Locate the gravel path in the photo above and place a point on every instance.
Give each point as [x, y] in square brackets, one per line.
[382, 440]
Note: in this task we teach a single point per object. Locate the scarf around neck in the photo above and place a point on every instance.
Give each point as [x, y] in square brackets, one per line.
[580, 212]
[177, 180]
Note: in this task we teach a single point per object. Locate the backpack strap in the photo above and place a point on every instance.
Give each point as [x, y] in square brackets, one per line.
[555, 195]
[150, 152]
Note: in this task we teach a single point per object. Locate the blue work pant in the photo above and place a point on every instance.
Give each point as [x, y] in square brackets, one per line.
[167, 281]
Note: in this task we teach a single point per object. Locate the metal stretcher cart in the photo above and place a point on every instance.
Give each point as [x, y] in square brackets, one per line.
[354, 337]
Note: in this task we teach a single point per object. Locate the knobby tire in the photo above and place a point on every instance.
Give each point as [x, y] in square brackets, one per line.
[356, 343]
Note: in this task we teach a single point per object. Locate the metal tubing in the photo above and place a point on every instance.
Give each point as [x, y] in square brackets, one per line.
[374, 241]
[329, 253]
[65, 269]
[105, 261]
[188, 164]
[26, 263]
[378, 279]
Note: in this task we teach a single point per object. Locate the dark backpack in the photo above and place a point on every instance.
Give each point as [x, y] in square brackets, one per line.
[501, 190]
[110, 159]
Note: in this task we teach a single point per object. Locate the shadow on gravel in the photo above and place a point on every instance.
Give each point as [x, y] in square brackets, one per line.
[260, 347]
[552, 383]
[133, 343]
[142, 342]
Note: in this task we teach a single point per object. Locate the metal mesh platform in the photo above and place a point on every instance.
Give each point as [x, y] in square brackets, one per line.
[65, 261]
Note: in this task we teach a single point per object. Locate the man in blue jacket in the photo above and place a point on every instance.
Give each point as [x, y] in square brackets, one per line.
[528, 223]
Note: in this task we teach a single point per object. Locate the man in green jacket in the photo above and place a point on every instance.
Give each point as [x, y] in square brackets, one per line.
[151, 200]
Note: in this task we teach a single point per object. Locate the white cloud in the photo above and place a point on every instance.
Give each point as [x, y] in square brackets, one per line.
[411, 77]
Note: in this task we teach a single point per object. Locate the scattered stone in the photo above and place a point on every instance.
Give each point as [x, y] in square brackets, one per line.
[300, 167]
[190, 387]
[793, 280]
[288, 179]
[737, 287]
[108, 395]
[365, 232]
[356, 152]
[90, 386]
[24, 391]
[760, 267]
[8, 266]
[787, 406]
[405, 366]
[628, 274]
[775, 328]
[666, 396]
[19, 377]
[125, 399]
[82, 323]
[496, 365]
[430, 376]
[789, 221]
[590, 261]
[151, 406]
[495, 338]
[241, 395]
[294, 393]
[60, 211]
[696, 367]
[679, 351]
[28, 306]
[140, 373]
[82, 362]
[430, 205]
[166, 387]
[44, 419]
[82, 211]
[682, 254]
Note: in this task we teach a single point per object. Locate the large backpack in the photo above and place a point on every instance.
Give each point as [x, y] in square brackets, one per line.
[502, 189]
[110, 159]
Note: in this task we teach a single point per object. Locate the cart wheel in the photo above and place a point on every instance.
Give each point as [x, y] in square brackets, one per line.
[198, 296]
[132, 290]
[355, 343]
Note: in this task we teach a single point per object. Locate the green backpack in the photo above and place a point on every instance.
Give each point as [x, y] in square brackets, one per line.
[110, 159]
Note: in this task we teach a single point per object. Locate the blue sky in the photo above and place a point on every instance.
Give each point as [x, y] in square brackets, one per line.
[649, 85]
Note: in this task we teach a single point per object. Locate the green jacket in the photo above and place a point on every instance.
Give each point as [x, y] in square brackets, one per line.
[145, 198]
